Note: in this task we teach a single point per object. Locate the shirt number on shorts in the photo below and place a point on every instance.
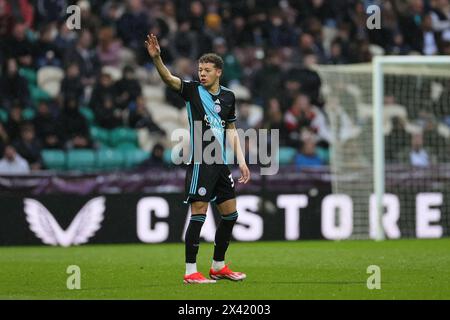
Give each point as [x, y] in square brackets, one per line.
[232, 181]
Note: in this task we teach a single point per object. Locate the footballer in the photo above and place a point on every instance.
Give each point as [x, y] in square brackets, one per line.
[213, 107]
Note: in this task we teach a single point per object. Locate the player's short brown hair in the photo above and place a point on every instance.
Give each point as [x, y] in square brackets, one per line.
[212, 58]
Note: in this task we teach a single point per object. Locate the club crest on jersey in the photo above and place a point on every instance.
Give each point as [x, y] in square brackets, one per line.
[217, 107]
[202, 191]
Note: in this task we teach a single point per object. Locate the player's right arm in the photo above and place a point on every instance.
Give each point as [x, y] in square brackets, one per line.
[155, 53]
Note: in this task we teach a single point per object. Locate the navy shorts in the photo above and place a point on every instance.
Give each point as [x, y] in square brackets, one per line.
[209, 182]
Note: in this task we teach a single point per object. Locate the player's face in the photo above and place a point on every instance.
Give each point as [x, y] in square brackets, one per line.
[208, 74]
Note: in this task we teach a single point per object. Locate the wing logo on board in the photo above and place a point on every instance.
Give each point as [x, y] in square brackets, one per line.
[85, 224]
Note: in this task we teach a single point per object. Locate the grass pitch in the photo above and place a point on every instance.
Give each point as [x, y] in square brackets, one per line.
[410, 269]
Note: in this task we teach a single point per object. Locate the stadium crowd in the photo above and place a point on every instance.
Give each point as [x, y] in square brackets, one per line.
[269, 49]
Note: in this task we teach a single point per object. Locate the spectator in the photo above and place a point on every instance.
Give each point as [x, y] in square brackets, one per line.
[184, 70]
[75, 129]
[50, 11]
[19, 47]
[109, 47]
[103, 90]
[85, 57]
[156, 157]
[307, 157]
[232, 72]
[13, 87]
[418, 156]
[12, 163]
[29, 147]
[107, 114]
[127, 89]
[274, 119]
[133, 26]
[304, 115]
[46, 53]
[140, 118]
[4, 139]
[267, 80]
[15, 120]
[184, 42]
[71, 86]
[48, 130]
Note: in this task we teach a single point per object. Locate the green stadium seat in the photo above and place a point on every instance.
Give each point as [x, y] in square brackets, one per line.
[100, 135]
[37, 94]
[323, 154]
[134, 157]
[88, 114]
[28, 114]
[54, 159]
[122, 134]
[81, 159]
[127, 146]
[286, 155]
[29, 74]
[3, 115]
[167, 157]
[110, 159]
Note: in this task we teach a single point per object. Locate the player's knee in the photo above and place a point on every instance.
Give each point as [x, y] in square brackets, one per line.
[199, 207]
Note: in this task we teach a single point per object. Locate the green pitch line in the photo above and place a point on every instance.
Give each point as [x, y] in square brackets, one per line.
[410, 269]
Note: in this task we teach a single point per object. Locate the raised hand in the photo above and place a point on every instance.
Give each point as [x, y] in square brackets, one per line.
[152, 46]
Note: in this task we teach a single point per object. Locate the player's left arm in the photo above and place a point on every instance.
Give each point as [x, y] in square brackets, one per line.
[236, 146]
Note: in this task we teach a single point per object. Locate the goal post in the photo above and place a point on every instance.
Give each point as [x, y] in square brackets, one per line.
[379, 65]
[365, 104]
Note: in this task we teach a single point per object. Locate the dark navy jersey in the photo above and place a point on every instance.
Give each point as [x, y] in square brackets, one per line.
[213, 111]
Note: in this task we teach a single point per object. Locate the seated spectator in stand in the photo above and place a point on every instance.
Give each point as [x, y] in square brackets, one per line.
[139, 117]
[48, 130]
[156, 158]
[127, 89]
[184, 42]
[29, 147]
[102, 90]
[274, 120]
[307, 157]
[4, 139]
[19, 47]
[46, 53]
[15, 120]
[71, 85]
[13, 163]
[13, 87]
[133, 26]
[242, 121]
[303, 114]
[183, 69]
[107, 115]
[85, 57]
[417, 155]
[75, 128]
[232, 72]
[109, 47]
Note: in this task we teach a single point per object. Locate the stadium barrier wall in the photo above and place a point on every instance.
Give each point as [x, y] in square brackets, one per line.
[147, 207]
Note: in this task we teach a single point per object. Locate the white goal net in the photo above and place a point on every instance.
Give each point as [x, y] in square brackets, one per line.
[415, 146]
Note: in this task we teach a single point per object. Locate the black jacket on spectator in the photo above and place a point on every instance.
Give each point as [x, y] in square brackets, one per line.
[88, 62]
[73, 123]
[72, 87]
[126, 91]
[13, 88]
[29, 151]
